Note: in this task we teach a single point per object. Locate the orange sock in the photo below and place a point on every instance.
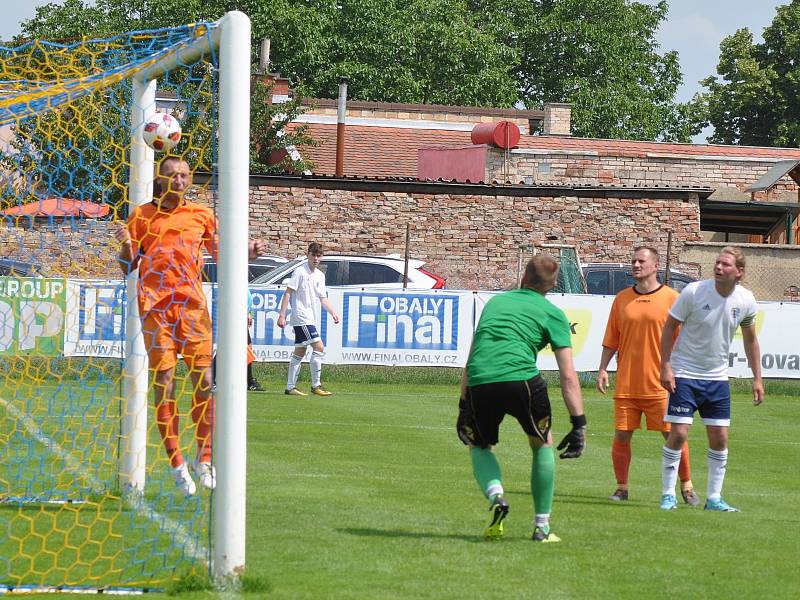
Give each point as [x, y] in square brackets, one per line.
[203, 417]
[621, 457]
[685, 468]
[167, 420]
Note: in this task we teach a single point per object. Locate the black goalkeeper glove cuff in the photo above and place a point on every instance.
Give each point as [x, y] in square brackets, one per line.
[575, 441]
[578, 421]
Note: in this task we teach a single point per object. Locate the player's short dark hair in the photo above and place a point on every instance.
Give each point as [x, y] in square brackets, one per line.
[315, 249]
[541, 273]
[653, 252]
[170, 158]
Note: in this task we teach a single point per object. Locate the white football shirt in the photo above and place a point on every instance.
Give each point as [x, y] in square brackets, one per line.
[709, 324]
[309, 288]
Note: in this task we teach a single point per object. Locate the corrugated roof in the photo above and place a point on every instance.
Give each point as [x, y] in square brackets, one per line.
[372, 151]
[772, 176]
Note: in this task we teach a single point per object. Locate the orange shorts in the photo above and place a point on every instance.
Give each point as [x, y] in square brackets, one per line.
[175, 330]
[628, 413]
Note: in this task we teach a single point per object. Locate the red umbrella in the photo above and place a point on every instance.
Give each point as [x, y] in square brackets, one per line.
[59, 207]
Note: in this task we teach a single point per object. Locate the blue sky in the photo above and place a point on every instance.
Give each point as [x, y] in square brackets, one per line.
[694, 28]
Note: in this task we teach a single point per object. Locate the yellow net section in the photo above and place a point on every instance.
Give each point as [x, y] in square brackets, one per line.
[66, 520]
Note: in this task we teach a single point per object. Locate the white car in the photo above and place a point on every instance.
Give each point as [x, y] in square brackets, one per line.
[255, 268]
[358, 271]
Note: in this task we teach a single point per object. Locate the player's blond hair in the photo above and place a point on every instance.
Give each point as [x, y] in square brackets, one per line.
[738, 257]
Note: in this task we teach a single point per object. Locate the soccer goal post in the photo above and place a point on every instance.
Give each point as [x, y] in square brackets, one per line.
[88, 499]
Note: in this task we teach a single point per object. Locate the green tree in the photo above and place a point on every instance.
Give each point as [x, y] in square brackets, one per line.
[753, 100]
[415, 51]
[269, 131]
[272, 138]
[599, 55]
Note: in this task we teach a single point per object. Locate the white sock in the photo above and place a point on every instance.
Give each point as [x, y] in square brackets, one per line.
[717, 463]
[669, 470]
[542, 520]
[294, 371]
[316, 368]
[494, 490]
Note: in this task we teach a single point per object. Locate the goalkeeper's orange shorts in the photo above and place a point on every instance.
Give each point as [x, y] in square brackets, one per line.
[175, 330]
[628, 413]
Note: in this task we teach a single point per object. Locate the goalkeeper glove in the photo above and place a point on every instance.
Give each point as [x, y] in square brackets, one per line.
[575, 440]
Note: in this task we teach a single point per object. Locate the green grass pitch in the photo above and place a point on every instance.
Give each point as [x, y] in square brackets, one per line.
[369, 494]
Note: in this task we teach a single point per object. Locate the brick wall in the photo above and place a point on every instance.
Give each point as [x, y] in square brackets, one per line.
[434, 113]
[80, 248]
[772, 271]
[473, 240]
[557, 119]
[728, 175]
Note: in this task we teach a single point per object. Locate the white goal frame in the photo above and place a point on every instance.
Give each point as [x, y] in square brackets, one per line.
[232, 40]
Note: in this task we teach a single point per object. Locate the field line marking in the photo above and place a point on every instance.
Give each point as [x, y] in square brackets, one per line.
[194, 549]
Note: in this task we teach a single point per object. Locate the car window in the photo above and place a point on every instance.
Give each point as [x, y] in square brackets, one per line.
[277, 275]
[17, 269]
[678, 283]
[335, 272]
[210, 272]
[622, 279]
[597, 282]
[370, 273]
[257, 270]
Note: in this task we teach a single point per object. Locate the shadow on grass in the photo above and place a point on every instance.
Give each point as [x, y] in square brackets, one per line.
[395, 533]
[588, 499]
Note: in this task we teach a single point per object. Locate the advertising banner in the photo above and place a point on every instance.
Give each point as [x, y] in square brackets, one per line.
[421, 328]
[95, 323]
[776, 323]
[587, 316]
[381, 327]
[32, 316]
[377, 326]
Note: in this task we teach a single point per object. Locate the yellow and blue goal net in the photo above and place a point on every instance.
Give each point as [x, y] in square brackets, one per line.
[68, 521]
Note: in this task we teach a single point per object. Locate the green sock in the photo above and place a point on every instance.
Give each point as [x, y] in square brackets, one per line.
[487, 471]
[543, 479]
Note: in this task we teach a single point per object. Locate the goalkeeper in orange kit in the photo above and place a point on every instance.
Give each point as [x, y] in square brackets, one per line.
[165, 239]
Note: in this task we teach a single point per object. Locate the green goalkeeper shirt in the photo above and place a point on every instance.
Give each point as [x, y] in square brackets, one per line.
[513, 328]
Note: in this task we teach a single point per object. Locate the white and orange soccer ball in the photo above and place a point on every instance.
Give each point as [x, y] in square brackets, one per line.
[162, 132]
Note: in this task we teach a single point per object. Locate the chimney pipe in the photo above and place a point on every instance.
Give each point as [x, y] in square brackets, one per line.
[263, 59]
[340, 118]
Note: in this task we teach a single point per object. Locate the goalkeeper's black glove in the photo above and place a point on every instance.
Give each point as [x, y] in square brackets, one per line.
[575, 440]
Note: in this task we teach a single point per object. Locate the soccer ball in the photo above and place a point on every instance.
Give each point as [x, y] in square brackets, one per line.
[162, 132]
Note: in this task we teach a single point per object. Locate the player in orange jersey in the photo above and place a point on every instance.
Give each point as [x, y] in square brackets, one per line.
[164, 239]
[633, 333]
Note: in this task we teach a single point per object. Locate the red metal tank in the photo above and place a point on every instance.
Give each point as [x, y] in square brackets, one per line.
[504, 134]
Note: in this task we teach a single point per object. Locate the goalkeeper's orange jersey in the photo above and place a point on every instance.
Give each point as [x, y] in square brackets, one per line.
[634, 331]
[169, 245]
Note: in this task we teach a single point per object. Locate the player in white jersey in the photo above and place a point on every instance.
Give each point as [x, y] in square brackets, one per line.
[695, 370]
[306, 292]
